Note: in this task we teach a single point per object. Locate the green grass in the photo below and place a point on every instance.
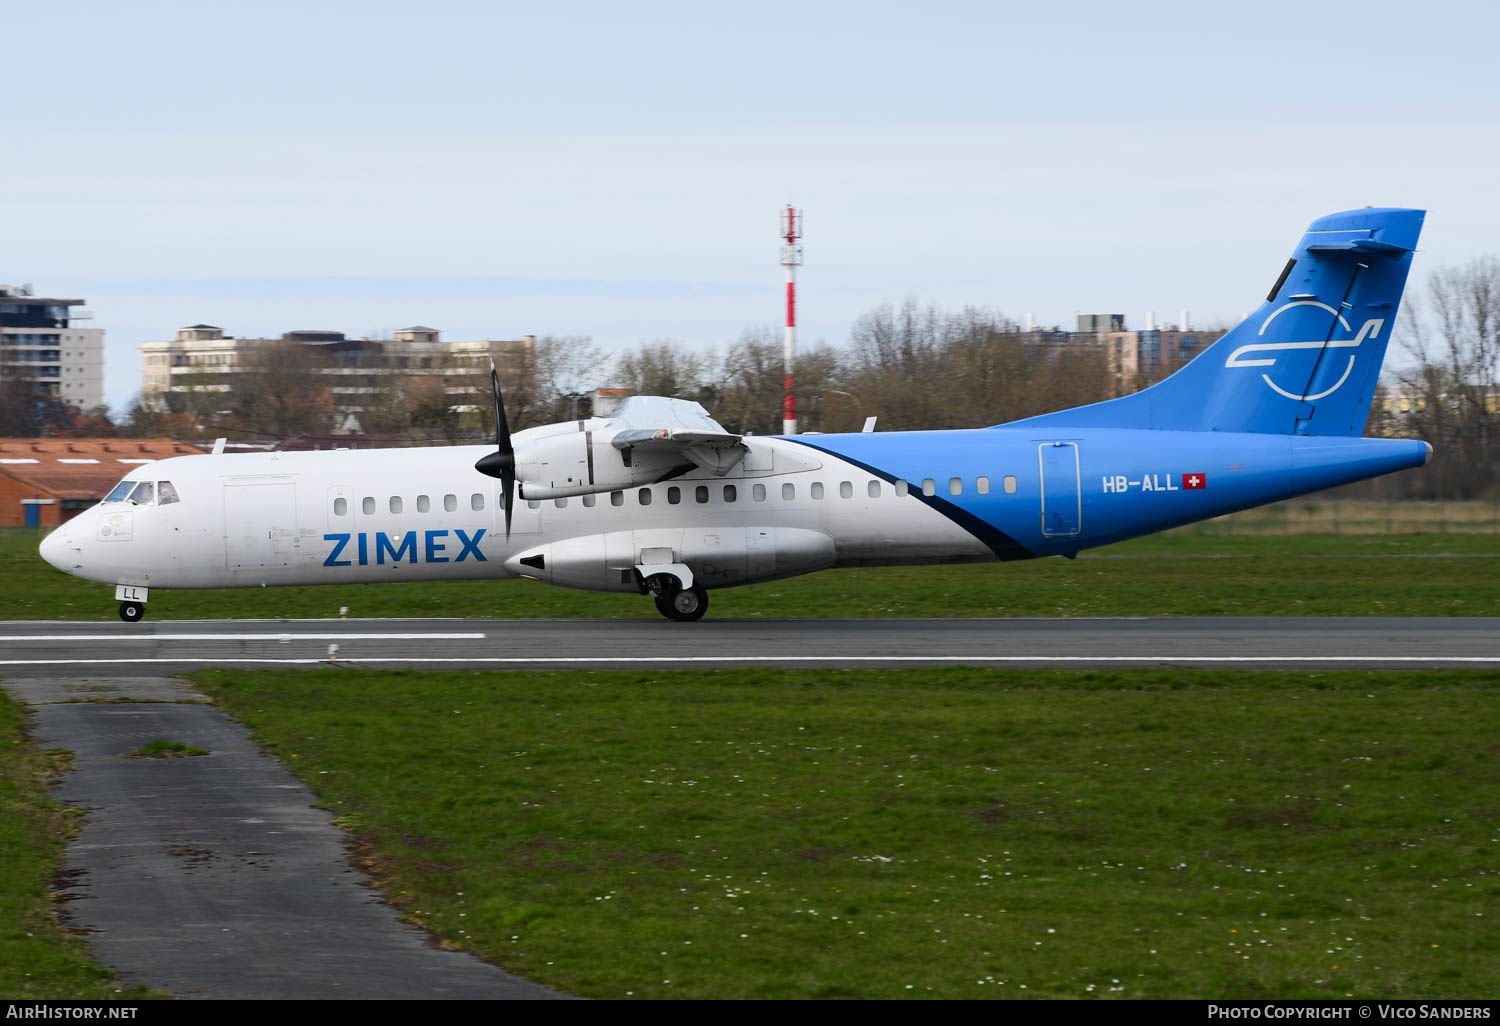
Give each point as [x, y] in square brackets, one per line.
[163, 748]
[38, 958]
[950, 833]
[1174, 574]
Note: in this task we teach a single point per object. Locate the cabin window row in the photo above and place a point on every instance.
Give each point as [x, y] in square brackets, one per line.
[396, 504]
[956, 485]
[676, 495]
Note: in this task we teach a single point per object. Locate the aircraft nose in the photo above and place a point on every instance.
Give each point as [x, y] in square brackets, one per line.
[54, 547]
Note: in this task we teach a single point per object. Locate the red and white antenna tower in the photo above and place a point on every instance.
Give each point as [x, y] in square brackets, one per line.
[791, 259]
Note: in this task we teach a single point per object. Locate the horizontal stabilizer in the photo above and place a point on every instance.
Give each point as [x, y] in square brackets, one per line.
[1359, 247]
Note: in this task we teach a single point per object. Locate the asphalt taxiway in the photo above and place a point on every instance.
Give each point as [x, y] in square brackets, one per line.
[164, 647]
[220, 876]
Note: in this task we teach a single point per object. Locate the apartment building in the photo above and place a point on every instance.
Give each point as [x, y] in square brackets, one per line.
[202, 358]
[41, 343]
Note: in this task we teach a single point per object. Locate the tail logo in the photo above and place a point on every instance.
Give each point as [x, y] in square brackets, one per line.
[1370, 329]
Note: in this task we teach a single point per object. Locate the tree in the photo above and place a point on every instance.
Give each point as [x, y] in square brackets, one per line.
[665, 368]
[279, 392]
[752, 387]
[1451, 390]
[924, 368]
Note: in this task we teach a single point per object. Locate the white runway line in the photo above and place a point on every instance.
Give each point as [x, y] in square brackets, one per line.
[262, 636]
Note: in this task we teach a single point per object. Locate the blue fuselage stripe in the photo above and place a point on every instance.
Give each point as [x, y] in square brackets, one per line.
[1001, 544]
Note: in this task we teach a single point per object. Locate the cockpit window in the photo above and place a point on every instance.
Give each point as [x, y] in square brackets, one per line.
[119, 491]
[165, 493]
[144, 494]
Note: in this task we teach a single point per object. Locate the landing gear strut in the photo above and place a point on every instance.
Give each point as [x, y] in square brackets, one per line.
[677, 603]
[130, 612]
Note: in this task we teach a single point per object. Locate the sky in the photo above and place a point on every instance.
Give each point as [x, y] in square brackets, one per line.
[616, 170]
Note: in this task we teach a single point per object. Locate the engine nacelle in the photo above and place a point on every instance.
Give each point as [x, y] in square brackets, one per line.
[719, 557]
[584, 462]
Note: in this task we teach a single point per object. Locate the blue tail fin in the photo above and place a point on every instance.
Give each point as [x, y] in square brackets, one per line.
[1307, 361]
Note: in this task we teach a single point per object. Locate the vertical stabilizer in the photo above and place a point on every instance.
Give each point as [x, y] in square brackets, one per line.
[1308, 360]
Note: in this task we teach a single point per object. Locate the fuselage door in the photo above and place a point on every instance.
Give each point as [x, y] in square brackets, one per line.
[1061, 502]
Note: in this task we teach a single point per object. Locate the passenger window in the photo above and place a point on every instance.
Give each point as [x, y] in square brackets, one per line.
[674, 495]
[340, 507]
[701, 493]
[560, 503]
[788, 492]
[758, 493]
[119, 491]
[955, 486]
[929, 486]
[395, 504]
[368, 505]
[588, 500]
[424, 504]
[873, 488]
[533, 503]
[476, 502]
[1010, 485]
[165, 493]
[644, 496]
[617, 498]
[901, 487]
[144, 494]
[846, 490]
[984, 486]
[730, 493]
[817, 489]
[450, 503]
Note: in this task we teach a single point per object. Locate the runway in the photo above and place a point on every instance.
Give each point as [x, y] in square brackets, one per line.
[50, 648]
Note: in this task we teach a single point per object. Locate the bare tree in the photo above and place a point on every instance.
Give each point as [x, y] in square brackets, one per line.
[279, 392]
[1450, 393]
[665, 368]
[752, 387]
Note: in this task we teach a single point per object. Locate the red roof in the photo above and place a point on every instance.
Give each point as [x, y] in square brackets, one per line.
[81, 468]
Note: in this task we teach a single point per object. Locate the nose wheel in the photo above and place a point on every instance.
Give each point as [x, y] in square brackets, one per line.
[686, 604]
[130, 612]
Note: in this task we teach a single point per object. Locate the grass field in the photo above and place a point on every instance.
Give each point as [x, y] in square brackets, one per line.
[1348, 516]
[1176, 574]
[939, 833]
[38, 958]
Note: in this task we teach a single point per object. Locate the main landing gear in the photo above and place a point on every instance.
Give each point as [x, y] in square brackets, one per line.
[130, 612]
[677, 603]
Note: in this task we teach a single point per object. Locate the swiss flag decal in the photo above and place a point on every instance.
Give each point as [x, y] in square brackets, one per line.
[1194, 481]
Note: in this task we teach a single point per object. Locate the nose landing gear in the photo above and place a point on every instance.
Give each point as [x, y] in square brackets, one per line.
[130, 612]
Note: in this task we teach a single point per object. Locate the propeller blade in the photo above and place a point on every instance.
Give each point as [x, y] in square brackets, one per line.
[502, 462]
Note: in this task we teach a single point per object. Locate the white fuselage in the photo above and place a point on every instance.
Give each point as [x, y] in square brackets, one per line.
[295, 518]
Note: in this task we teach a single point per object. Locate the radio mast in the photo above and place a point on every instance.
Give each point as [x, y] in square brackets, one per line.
[791, 258]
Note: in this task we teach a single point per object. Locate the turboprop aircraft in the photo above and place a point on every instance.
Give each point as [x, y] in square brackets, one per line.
[659, 499]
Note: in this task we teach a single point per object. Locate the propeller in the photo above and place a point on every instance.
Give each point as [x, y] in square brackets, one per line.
[502, 462]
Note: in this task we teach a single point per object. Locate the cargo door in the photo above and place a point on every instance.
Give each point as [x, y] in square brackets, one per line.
[260, 525]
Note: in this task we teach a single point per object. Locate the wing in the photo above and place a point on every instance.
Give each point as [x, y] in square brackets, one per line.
[658, 427]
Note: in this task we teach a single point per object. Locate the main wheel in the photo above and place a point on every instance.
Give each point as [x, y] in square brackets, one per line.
[682, 603]
[130, 612]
